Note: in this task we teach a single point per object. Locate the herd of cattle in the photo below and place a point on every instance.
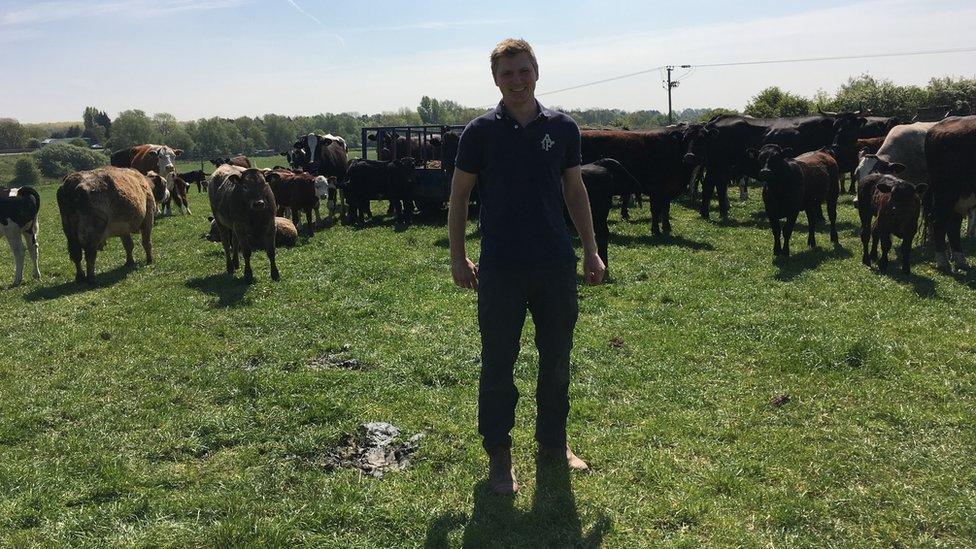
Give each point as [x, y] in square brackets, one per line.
[899, 171]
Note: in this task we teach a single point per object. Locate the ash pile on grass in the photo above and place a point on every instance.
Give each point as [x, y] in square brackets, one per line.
[375, 449]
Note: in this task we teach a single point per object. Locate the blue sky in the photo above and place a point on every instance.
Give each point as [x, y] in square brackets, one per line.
[250, 57]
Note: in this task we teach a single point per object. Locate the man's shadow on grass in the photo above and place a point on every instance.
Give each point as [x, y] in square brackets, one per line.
[228, 290]
[552, 522]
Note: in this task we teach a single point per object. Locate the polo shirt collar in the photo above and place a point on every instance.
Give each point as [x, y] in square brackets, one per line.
[501, 112]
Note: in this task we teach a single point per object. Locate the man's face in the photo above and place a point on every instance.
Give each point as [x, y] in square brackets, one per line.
[516, 78]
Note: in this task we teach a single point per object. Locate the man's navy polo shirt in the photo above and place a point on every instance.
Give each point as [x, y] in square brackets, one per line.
[520, 187]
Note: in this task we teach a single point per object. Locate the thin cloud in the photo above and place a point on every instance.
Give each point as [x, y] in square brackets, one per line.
[317, 20]
[438, 25]
[45, 12]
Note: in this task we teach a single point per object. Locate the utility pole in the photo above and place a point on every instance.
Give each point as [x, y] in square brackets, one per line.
[671, 86]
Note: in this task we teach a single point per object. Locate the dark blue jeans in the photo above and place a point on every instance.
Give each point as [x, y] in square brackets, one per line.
[504, 296]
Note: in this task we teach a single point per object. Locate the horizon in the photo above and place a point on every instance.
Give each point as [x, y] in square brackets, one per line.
[305, 58]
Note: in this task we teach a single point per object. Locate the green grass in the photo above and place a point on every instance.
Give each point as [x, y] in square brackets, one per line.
[170, 405]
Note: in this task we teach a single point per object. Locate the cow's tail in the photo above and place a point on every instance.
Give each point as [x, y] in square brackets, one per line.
[928, 216]
[29, 195]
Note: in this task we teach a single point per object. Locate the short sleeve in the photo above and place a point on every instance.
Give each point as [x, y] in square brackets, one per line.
[573, 156]
[470, 153]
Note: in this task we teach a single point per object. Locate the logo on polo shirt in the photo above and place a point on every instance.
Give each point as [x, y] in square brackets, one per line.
[547, 143]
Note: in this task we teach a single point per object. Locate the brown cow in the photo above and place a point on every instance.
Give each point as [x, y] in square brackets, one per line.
[894, 205]
[244, 209]
[298, 192]
[99, 204]
[239, 160]
[164, 197]
[150, 158]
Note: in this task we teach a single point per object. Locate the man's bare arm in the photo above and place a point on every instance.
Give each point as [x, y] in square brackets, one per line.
[463, 270]
[578, 204]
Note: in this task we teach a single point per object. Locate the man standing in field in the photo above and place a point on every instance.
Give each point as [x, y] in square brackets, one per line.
[526, 161]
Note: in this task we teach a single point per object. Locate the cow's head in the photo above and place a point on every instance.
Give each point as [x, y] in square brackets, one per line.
[252, 188]
[771, 158]
[405, 168]
[699, 142]
[870, 163]
[322, 186]
[903, 194]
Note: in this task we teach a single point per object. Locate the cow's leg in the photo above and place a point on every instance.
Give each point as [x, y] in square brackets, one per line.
[91, 250]
[708, 185]
[743, 189]
[655, 216]
[813, 214]
[30, 239]
[723, 198]
[885, 249]
[244, 244]
[226, 239]
[602, 233]
[128, 245]
[906, 253]
[832, 216]
[875, 237]
[954, 233]
[147, 227]
[269, 249]
[666, 217]
[186, 202]
[971, 224]
[865, 237]
[308, 221]
[74, 252]
[775, 227]
[624, 212]
[788, 232]
[17, 248]
[318, 216]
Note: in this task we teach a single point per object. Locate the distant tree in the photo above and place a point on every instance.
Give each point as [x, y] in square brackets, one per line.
[61, 159]
[252, 130]
[73, 131]
[97, 124]
[217, 136]
[430, 111]
[708, 114]
[169, 131]
[774, 102]
[881, 97]
[33, 143]
[129, 129]
[12, 134]
[25, 172]
[280, 132]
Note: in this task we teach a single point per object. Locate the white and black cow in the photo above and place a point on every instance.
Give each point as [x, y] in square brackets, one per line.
[18, 219]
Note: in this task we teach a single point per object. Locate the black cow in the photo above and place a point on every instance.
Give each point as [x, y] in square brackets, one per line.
[395, 146]
[602, 179]
[893, 205]
[950, 152]
[378, 180]
[329, 157]
[653, 157]
[794, 184]
[196, 176]
[722, 146]
[877, 126]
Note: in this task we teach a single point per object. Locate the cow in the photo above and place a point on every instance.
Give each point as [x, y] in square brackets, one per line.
[377, 180]
[239, 160]
[146, 158]
[950, 152]
[893, 204]
[395, 146]
[244, 209]
[164, 197]
[865, 146]
[196, 176]
[794, 184]
[602, 179]
[298, 192]
[721, 146]
[653, 157]
[905, 145]
[102, 203]
[877, 126]
[286, 235]
[18, 219]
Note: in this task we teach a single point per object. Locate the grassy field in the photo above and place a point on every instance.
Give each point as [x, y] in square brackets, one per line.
[173, 406]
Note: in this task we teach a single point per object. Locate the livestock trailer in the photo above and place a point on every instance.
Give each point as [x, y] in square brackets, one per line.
[433, 157]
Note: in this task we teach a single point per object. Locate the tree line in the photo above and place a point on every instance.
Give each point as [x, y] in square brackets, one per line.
[208, 137]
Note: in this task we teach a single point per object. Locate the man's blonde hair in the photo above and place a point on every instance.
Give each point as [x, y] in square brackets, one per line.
[510, 47]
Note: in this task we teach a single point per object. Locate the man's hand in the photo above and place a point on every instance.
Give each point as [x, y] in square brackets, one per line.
[465, 273]
[593, 268]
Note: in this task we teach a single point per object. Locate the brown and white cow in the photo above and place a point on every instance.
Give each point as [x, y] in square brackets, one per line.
[950, 150]
[146, 158]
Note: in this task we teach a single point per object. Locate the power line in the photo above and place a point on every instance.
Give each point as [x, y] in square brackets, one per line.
[766, 62]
